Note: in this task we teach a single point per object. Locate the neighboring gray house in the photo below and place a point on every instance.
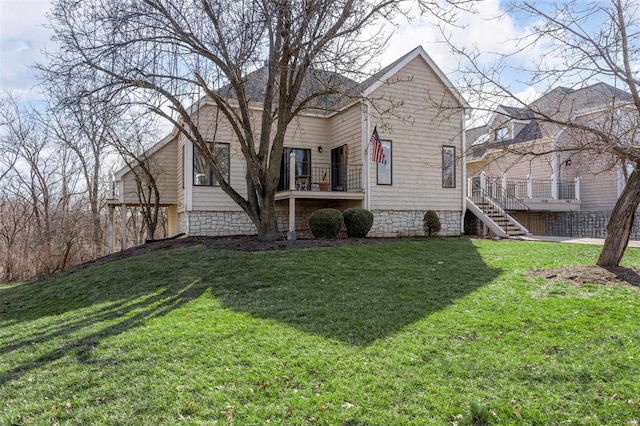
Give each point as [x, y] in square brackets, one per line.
[531, 166]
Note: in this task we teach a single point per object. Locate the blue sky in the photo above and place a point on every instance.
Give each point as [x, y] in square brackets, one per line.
[23, 36]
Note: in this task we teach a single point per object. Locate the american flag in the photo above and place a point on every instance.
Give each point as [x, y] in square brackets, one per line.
[378, 152]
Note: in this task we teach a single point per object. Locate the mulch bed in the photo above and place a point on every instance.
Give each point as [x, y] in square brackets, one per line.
[593, 274]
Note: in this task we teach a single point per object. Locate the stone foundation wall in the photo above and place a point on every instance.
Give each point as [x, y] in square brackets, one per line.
[302, 223]
[409, 223]
[386, 223]
[219, 224]
[576, 224]
[583, 224]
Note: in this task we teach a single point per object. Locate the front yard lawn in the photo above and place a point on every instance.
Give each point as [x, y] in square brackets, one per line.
[414, 332]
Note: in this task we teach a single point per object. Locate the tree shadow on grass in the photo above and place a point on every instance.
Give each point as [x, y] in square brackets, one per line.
[108, 301]
[352, 294]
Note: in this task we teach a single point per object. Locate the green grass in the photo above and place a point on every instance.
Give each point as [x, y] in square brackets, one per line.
[431, 331]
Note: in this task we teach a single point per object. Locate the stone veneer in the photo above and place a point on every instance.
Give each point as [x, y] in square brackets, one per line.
[583, 224]
[220, 224]
[386, 223]
[578, 224]
[409, 223]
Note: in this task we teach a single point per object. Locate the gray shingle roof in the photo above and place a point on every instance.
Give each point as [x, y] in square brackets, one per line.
[517, 113]
[561, 103]
[314, 82]
[347, 90]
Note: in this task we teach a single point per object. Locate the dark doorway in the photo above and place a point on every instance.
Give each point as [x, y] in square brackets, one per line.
[338, 169]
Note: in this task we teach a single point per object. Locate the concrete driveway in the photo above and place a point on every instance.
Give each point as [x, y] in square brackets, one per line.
[593, 241]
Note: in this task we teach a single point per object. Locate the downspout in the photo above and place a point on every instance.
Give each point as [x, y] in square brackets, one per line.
[187, 168]
[463, 123]
[366, 131]
[555, 168]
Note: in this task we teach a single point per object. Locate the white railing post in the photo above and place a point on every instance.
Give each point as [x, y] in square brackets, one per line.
[123, 213]
[469, 187]
[292, 171]
[529, 186]
[577, 188]
[483, 180]
[504, 185]
[554, 187]
[292, 200]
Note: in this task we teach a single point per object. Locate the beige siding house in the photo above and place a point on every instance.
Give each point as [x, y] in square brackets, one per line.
[423, 147]
[531, 170]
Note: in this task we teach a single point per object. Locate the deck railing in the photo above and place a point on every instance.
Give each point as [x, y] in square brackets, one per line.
[312, 176]
[528, 188]
[501, 197]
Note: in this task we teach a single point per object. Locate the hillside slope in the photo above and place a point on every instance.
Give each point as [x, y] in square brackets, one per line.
[404, 332]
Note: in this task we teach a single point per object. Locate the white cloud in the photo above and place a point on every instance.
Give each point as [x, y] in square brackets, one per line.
[489, 31]
[22, 39]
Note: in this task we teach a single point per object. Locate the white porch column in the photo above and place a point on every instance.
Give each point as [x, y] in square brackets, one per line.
[291, 235]
[554, 186]
[123, 210]
[483, 180]
[529, 186]
[577, 188]
[504, 183]
[110, 230]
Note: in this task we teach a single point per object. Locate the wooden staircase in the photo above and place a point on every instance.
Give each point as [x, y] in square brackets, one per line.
[491, 213]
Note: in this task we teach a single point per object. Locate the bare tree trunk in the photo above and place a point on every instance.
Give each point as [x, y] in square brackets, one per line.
[621, 222]
[268, 225]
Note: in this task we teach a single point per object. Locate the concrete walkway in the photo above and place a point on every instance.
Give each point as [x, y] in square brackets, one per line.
[593, 241]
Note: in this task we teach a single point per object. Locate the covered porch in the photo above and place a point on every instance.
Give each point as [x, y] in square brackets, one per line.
[310, 186]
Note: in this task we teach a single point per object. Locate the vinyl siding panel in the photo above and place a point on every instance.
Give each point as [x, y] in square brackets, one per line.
[214, 127]
[181, 178]
[304, 132]
[514, 165]
[346, 129]
[164, 167]
[418, 127]
[598, 192]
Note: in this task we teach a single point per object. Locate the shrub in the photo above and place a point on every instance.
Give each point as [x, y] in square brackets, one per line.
[431, 223]
[478, 414]
[358, 222]
[325, 223]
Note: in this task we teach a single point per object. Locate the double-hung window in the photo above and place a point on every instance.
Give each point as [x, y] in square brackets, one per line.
[384, 175]
[448, 166]
[203, 168]
[502, 134]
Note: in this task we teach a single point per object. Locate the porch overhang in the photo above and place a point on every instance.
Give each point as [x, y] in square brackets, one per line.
[319, 195]
[551, 205]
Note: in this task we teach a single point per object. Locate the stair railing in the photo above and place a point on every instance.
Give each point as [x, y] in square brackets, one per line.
[497, 207]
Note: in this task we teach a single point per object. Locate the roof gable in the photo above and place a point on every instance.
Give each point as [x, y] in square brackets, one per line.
[376, 80]
[148, 153]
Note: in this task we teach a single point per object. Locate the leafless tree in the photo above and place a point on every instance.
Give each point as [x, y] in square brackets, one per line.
[41, 228]
[132, 139]
[576, 43]
[82, 125]
[169, 54]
